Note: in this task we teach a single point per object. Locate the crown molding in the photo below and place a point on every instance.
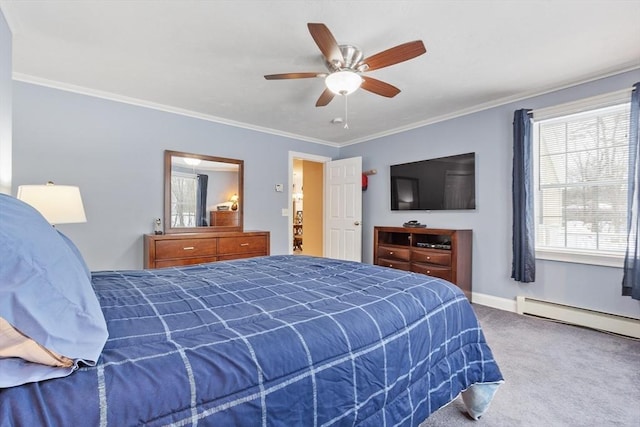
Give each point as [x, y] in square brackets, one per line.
[449, 116]
[492, 104]
[26, 78]
[10, 23]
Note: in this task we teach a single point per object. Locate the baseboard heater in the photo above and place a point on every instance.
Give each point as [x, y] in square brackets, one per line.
[579, 316]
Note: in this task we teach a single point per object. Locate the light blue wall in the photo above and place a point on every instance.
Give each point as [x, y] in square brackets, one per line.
[5, 106]
[489, 135]
[114, 152]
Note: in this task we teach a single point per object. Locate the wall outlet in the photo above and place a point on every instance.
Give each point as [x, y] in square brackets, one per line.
[279, 188]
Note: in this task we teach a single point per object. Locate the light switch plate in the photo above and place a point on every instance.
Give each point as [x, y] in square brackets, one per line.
[285, 212]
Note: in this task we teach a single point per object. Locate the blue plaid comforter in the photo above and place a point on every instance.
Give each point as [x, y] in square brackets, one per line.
[273, 341]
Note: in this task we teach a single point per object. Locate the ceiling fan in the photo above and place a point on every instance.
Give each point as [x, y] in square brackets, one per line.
[346, 66]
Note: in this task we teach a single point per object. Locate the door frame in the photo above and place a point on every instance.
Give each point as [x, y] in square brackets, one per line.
[302, 156]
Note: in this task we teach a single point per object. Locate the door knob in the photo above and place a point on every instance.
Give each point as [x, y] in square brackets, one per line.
[356, 223]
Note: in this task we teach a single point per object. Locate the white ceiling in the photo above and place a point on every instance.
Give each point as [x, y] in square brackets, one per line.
[208, 58]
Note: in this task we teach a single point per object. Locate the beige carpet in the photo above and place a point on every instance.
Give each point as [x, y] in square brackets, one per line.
[556, 375]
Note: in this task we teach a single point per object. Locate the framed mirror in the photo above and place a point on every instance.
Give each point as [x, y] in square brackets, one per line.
[202, 193]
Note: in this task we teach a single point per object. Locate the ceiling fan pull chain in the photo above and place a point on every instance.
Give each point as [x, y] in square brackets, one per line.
[346, 112]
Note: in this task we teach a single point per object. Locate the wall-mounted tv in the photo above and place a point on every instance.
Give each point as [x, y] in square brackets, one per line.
[445, 183]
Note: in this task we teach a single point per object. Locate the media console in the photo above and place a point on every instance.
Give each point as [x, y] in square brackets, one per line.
[436, 252]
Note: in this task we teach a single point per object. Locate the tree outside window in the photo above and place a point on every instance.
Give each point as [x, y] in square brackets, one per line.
[581, 202]
[183, 200]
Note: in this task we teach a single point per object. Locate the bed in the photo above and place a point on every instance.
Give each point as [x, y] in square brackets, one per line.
[270, 341]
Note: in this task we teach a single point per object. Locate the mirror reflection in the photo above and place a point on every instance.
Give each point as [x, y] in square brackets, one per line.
[202, 193]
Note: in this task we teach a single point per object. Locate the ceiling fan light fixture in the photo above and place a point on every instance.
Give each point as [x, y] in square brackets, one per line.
[347, 65]
[343, 82]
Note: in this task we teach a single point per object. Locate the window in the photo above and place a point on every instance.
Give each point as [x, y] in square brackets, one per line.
[183, 199]
[581, 185]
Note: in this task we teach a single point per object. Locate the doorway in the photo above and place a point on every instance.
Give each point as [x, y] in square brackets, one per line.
[331, 200]
[306, 212]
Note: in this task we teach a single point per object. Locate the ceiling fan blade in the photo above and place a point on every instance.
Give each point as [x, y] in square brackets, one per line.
[396, 54]
[326, 42]
[325, 98]
[379, 87]
[292, 76]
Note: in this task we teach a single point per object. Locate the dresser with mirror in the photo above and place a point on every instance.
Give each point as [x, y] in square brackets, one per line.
[203, 214]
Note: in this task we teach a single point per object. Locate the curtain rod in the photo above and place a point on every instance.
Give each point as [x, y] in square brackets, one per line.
[585, 101]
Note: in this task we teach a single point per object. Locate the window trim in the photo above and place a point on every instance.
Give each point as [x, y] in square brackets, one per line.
[605, 259]
[583, 105]
[601, 258]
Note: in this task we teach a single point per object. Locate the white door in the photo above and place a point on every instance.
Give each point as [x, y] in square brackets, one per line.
[343, 209]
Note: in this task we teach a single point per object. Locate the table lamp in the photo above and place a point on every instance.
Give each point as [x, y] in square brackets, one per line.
[234, 199]
[59, 204]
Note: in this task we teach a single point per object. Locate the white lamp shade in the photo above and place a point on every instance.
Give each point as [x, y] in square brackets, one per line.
[59, 204]
[343, 82]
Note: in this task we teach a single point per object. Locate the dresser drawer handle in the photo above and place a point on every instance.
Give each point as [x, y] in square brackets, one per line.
[390, 252]
[244, 244]
[428, 257]
[189, 248]
[428, 271]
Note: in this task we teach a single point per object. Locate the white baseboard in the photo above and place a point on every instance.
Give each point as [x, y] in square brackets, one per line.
[579, 316]
[504, 304]
[564, 313]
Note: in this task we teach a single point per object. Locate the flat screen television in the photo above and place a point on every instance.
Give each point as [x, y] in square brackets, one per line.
[445, 183]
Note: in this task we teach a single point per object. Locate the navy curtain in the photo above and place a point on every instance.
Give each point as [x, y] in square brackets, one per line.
[523, 268]
[631, 276]
[201, 202]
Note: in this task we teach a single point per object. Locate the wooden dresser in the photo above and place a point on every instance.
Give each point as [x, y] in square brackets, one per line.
[224, 218]
[436, 252]
[168, 250]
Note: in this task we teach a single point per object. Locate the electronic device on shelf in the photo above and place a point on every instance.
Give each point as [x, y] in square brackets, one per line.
[414, 224]
[434, 245]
